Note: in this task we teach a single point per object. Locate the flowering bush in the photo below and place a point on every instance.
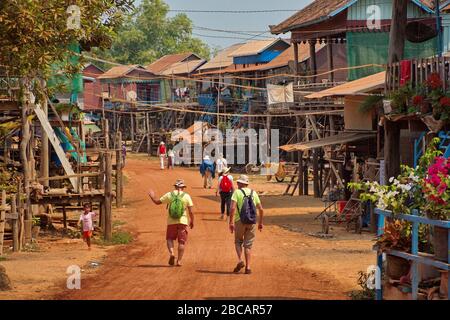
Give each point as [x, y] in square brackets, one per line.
[434, 81]
[436, 189]
[418, 100]
[426, 188]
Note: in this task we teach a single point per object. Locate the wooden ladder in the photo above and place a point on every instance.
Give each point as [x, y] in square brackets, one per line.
[294, 184]
[56, 145]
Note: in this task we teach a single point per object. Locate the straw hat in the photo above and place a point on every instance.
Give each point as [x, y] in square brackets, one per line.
[180, 183]
[243, 179]
[225, 170]
[162, 142]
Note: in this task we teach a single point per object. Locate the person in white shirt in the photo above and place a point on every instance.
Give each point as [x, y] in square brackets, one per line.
[171, 156]
[221, 163]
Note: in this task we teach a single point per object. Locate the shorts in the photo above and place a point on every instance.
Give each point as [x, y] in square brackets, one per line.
[87, 234]
[244, 234]
[177, 232]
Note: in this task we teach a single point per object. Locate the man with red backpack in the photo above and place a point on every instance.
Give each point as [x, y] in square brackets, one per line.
[225, 188]
[244, 204]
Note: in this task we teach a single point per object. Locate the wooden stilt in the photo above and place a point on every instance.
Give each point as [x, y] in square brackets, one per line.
[108, 197]
[119, 171]
[15, 223]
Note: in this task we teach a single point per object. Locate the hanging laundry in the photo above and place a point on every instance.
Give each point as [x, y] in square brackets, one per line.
[405, 72]
[280, 94]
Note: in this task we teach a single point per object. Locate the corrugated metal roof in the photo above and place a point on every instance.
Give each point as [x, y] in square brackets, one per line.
[183, 67]
[281, 61]
[328, 141]
[254, 47]
[320, 10]
[119, 71]
[222, 60]
[363, 85]
[167, 61]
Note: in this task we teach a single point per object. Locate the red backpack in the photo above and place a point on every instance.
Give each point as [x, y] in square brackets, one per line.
[225, 184]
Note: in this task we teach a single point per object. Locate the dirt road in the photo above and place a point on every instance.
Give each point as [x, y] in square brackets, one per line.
[140, 270]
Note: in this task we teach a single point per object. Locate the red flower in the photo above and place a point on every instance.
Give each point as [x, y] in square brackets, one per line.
[418, 100]
[445, 102]
[434, 81]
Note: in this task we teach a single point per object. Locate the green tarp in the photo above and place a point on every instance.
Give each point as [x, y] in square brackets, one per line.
[372, 48]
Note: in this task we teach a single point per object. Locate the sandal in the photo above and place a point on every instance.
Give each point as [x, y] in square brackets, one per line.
[239, 266]
[172, 260]
[248, 271]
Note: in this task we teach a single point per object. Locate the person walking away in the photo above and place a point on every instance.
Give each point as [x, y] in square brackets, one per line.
[221, 163]
[207, 171]
[162, 154]
[178, 202]
[171, 157]
[86, 219]
[244, 203]
[124, 154]
[225, 188]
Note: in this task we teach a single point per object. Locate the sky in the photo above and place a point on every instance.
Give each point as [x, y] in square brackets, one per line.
[241, 22]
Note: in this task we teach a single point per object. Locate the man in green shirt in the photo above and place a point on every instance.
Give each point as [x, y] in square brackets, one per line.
[244, 234]
[177, 228]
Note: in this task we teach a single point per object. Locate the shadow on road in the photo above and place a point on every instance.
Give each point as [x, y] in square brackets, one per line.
[215, 272]
[154, 266]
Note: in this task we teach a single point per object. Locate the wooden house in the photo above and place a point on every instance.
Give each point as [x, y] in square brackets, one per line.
[92, 93]
[175, 71]
[119, 81]
[352, 22]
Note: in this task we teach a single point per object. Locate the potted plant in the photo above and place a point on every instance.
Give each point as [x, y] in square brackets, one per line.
[436, 193]
[36, 227]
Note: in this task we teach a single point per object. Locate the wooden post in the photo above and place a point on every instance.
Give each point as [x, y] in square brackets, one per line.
[119, 171]
[24, 157]
[2, 220]
[44, 162]
[21, 216]
[313, 60]
[396, 52]
[300, 174]
[296, 70]
[108, 197]
[149, 134]
[132, 128]
[15, 223]
[64, 217]
[330, 59]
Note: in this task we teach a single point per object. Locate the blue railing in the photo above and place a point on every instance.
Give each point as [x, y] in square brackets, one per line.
[414, 256]
[444, 145]
[418, 148]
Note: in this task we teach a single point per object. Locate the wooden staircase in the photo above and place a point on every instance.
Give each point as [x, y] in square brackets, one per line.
[293, 185]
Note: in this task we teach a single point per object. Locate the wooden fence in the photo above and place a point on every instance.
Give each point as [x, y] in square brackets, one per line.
[420, 71]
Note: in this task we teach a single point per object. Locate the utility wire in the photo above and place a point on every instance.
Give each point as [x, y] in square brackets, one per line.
[232, 11]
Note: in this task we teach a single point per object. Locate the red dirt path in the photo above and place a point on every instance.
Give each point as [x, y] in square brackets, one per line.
[140, 271]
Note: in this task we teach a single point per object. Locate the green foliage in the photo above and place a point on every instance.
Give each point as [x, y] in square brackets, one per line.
[370, 103]
[148, 34]
[8, 180]
[119, 237]
[400, 98]
[35, 34]
[366, 293]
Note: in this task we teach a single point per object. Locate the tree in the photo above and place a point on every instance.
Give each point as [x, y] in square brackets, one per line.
[149, 34]
[36, 36]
